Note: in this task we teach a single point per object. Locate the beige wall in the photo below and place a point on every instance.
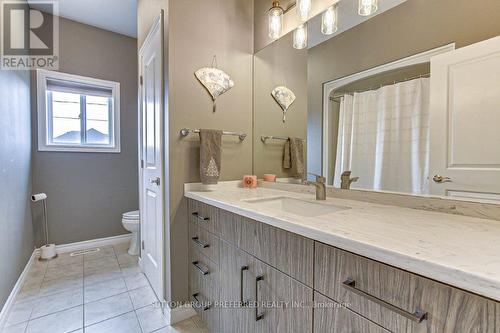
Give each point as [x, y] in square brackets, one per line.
[89, 192]
[198, 30]
[410, 28]
[290, 19]
[278, 64]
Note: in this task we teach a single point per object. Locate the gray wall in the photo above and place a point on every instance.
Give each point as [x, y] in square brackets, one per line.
[88, 192]
[16, 232]
[198, 30]
[412, 27]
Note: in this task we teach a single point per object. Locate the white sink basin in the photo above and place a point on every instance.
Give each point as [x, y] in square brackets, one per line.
[297, 206]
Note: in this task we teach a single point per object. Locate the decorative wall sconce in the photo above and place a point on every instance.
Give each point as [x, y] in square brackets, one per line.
[215, 81]
[284, 97]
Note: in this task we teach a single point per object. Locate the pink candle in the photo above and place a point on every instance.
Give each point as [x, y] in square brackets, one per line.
[250, 181]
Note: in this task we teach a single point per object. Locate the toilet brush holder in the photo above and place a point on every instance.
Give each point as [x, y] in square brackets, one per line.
[48, 251]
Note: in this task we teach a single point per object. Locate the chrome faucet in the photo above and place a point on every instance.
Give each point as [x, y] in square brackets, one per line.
[320, 186]
[346, 180]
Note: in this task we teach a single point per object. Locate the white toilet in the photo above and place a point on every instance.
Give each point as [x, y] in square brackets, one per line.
[131, 222]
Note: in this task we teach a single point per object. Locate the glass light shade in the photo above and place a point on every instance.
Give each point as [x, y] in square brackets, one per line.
[300, 37]
[367, 7]
[275, 21]
[329, 21]
[303, 9]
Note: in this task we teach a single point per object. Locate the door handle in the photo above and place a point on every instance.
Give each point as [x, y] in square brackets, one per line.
[418, 316]
[257, 315]
[155, 181]
[441, 179]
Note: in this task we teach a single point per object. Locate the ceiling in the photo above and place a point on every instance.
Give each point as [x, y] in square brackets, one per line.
[119, 16]
[347, 17]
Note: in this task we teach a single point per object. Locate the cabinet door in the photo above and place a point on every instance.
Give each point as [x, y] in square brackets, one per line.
[450, 310]
[398, 300]
[330, 317]
[288, 252]
[235, 277]
[281, 304]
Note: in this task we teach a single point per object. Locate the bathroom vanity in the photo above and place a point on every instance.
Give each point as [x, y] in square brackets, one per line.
[268, 260]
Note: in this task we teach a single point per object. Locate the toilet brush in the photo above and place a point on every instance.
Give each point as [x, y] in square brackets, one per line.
[48, 251]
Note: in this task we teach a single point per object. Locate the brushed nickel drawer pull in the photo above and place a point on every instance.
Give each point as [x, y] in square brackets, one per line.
[257, 315]
[418, 316]
[198, 266]
[197, 241]
[199, 217]
[206, 306]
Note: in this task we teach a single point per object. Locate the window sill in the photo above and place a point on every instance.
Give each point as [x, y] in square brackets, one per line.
[79, 149]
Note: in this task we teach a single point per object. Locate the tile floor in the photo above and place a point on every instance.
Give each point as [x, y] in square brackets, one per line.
[101, 292]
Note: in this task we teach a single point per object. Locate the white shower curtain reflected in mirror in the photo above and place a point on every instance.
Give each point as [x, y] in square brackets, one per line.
[384, 138]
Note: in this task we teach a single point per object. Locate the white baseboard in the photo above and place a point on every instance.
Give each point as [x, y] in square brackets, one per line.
[114, 240]
[4, 314]
[179, 313]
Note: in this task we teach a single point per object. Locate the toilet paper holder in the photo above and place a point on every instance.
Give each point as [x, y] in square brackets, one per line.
[48, 251]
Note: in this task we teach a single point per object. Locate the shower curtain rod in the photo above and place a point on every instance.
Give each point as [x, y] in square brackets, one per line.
[337, 96]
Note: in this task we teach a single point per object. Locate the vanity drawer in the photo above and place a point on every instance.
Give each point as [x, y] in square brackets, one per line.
[208, 312]
[203, 276]
[288, 252]
[204, 241]
[330, 317]
[204, 215]
[391, 297]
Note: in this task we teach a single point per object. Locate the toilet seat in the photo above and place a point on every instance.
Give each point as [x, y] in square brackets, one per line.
[131, 216]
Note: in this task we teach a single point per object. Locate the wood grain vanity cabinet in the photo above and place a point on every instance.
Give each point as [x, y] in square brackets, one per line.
[398, 300]
[258, 278]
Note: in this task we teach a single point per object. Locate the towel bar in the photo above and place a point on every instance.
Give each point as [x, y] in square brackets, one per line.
[187, 131]
[264, 138]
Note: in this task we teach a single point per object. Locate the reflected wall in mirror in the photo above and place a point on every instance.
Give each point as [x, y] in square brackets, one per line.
[375, 104]
[279, 64]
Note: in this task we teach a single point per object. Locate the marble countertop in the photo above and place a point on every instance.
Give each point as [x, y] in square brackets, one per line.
[460, 251]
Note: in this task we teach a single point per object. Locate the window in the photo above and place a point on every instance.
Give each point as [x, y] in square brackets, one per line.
[77, 113]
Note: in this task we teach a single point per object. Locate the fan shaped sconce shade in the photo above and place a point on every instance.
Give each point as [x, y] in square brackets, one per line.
[284, 97]
[216, 81]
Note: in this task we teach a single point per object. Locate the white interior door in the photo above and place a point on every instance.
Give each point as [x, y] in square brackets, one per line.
[152, 133]
[465, 122]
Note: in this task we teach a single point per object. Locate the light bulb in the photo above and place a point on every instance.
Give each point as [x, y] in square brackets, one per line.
[303, 9]
[329, 22]
[300, 37]
[275, 20]
[367, 7]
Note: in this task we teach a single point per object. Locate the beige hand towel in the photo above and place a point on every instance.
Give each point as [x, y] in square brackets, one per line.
[210, 155]
[293, 157]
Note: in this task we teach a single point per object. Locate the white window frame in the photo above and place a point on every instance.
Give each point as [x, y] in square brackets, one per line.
[44, 143]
